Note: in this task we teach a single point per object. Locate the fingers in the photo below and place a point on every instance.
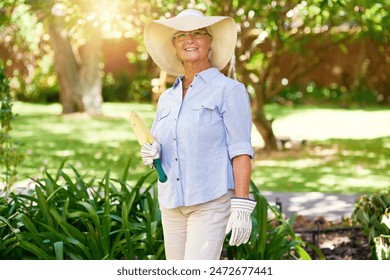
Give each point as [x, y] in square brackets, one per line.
[147, 160]
[149, 149]
[247, 236]
[156, 146]
[150, 152]
[234, 237]
[240, 226]
[239, 236]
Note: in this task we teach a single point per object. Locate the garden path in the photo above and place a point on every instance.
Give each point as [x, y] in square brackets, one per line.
[311, 205]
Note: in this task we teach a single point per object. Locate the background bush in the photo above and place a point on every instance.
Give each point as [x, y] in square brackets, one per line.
[334, 95]
[121, 87]
[369, 213]
[10, 154]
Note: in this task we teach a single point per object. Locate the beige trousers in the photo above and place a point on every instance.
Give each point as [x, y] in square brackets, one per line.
[196, 232]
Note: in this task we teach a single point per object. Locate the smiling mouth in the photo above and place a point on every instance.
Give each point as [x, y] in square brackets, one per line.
[190, 49]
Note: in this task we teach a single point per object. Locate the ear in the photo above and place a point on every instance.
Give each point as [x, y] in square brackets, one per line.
[209, 54]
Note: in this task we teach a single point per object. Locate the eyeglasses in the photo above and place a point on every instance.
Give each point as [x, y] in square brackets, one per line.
[196, 34]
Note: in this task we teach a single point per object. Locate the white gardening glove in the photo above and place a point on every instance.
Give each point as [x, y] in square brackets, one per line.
[240, 222]
[150, 152]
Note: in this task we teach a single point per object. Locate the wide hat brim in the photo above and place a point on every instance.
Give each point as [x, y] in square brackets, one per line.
[158, 39]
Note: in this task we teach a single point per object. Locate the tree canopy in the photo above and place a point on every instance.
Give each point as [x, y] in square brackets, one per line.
[69, 32]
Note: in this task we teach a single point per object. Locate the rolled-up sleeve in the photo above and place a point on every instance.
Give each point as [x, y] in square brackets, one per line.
[238, 122]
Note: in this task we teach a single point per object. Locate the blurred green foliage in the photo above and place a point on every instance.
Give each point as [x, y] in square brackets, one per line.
[10, 152]
[313, 94]
[285, 24]
[123, 88]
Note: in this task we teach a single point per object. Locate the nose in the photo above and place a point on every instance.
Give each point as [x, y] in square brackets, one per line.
[189, 39]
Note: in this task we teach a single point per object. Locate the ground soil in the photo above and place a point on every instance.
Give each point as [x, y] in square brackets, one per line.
[338, 240]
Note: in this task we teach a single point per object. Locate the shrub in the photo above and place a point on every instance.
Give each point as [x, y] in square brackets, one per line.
[67, 217]
[10, 156]
[382, 242]
[121, 87]
[371, 212]
[330, 95]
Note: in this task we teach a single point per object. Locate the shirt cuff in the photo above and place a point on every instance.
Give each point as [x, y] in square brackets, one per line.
[241, 148]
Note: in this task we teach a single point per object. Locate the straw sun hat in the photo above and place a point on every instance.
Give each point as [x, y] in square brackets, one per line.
[158, 39]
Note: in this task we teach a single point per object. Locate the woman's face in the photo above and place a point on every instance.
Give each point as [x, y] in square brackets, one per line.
[192, 46]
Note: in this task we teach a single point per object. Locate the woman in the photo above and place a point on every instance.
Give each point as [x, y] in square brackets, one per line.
[202, 130]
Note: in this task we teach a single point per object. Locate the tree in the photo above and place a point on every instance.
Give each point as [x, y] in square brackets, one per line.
[77, 67]
[271, 30]
[76, 29]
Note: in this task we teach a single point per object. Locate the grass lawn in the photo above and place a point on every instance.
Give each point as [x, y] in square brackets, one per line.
[92, 145]
[348, 150]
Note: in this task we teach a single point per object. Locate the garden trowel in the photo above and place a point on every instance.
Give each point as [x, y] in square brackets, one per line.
[143, 135]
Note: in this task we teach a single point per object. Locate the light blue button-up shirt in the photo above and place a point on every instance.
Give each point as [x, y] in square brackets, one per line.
[199, 137]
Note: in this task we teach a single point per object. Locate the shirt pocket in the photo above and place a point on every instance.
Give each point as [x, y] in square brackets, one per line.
[204, 113]
[162, 120]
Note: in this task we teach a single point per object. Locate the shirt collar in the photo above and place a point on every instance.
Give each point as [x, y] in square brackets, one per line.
[205, 75]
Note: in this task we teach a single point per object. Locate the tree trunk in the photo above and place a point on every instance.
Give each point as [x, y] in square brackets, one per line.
[262, 124]
[90, 79]
[79, 80]
[67, 69]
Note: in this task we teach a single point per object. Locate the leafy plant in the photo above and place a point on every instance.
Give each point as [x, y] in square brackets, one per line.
[371, 212]
[382, 242]
[10, 156]
[67, 217]
[70, 218]
[272, 238]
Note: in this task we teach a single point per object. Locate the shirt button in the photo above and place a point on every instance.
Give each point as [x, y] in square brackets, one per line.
[177, 179]
[176, 159]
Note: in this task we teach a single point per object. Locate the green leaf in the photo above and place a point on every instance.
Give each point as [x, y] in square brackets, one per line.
[59, 250]
[126, 228]
[42, 255]
[302, 253]
[386, 220]
[42, 203]
[70, 230]
[318, 251]
[93, 215]
[126, 171]
[6, 221]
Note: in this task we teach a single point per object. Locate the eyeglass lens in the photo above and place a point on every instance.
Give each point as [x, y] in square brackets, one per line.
[197, 34]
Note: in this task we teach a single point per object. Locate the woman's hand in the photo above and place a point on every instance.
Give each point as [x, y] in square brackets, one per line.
[240, 223]
[150, 152]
